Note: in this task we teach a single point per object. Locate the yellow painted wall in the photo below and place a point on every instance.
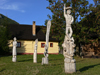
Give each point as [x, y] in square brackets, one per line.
[28, 47]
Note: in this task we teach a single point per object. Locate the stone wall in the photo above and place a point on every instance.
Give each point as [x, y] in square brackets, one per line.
[91, 49]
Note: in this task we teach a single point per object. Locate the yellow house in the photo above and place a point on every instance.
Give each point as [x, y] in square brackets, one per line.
[26, 36]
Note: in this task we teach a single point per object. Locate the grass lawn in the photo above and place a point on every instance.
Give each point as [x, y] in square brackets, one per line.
[25, 66]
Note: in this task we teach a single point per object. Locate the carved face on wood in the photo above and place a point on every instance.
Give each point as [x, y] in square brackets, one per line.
[68, 11]
[15, 39]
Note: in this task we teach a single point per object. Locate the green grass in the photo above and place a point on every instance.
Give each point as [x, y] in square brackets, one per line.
[25, 66]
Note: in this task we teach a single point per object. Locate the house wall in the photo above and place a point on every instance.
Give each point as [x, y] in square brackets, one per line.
[27, 47]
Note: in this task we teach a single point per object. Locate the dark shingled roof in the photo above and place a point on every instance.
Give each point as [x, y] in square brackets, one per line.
[24, 32]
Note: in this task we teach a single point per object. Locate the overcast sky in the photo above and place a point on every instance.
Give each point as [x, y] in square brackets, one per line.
[26, 11]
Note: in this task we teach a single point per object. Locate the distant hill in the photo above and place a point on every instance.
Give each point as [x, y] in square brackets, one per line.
[7, 20]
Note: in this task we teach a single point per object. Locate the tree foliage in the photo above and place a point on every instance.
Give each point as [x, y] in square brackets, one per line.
[4, 34]
[79, 9]
[91, 23]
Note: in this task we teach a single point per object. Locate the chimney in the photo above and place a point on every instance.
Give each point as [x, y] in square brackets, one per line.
[33, 29]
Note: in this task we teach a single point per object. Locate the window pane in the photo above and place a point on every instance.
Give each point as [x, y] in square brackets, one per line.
[18, 44]
[42, 44]
[51, 44]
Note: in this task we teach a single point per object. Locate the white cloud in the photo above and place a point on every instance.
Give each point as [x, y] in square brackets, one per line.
[4, 4]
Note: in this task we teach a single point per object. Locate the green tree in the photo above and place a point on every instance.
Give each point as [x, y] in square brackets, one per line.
[4, 33]
[4, 37]
[96, 9]
[79, 9]
[91, 23]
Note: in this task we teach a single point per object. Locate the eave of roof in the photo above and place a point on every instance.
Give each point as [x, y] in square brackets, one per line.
[24, 32]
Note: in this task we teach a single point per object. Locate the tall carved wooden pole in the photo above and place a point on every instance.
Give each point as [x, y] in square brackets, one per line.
[68, 45]
[14, 52]
[45, 59]
[35, 51]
